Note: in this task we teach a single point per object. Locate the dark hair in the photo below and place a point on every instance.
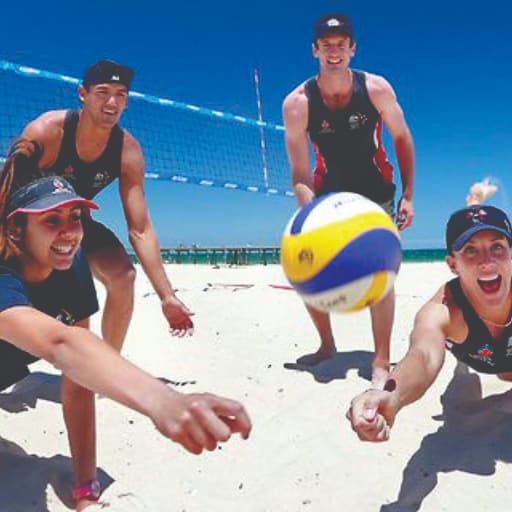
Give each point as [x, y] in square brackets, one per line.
[19, 169]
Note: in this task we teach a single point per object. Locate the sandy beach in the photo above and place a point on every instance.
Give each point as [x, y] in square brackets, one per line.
[444, 454]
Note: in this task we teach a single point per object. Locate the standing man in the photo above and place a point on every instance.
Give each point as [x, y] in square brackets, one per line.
[341, 112]
[91, 150]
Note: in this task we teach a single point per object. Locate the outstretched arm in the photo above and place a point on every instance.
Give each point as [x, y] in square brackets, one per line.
[384, 99]
[196, 421]
[144, 240]
[373, 413]
[295, 115]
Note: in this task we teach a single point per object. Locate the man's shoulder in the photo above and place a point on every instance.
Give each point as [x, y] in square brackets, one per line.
[376, 83]
[47, 125]
[295, 104]
[297, 95]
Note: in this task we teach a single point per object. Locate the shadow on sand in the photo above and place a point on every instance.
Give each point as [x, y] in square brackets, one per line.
[475, 435]
[25, 477]
[336, 367]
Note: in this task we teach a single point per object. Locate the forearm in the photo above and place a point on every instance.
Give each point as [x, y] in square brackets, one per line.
[93, 364]
[147, 249]
[412, 377]
[404, 150]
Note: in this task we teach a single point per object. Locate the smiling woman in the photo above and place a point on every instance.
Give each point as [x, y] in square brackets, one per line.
[46, 298]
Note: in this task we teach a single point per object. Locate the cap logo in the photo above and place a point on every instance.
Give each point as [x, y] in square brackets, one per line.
[333, 22]
[476, 215]
[59, 187]
[115, 77]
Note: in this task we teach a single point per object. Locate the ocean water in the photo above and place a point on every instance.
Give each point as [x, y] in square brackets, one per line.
[263, 255]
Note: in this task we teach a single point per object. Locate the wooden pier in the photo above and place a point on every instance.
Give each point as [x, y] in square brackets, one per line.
[235, 255]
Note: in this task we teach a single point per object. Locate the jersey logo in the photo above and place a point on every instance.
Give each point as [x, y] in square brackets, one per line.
[101, 179]
[325, 128]
[484, 354]
[357, 120]
[59, 186]
[65, 317]
[509, 347]
[485, 351]
[69, 173]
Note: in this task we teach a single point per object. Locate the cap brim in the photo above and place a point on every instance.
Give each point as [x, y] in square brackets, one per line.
[43, 206]
[463, 239]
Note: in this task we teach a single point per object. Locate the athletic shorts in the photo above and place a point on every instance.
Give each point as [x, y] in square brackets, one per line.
[97, 236]
[13, 364]
[389, 207]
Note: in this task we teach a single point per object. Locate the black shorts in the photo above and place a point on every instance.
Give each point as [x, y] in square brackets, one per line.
[97, 236]
[13, 364]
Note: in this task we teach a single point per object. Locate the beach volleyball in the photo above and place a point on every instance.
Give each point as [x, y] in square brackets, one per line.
[341, 252]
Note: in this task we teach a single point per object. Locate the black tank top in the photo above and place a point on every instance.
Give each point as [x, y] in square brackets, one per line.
[480, 350]
[347, 143]
[87, 178]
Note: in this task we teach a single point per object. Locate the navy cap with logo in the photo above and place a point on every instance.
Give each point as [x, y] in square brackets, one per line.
[465, 223]
[333, 23]
[44, 194]
[108, 71]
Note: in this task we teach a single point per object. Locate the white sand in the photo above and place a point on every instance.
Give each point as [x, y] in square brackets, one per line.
[302, 454]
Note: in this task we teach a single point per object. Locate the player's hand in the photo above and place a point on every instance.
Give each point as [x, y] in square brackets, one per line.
[200, 421]
[405, 214]
[303, 194]
[178, 316]
[371, 415]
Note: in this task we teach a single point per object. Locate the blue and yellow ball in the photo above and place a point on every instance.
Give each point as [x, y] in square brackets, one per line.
[341, 252]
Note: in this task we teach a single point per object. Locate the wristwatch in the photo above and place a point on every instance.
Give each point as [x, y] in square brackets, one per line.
[91, 491]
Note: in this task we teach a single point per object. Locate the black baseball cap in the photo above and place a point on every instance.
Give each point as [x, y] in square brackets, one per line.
[108, 71]
[333, 23]
[465, 223]
[44, 194]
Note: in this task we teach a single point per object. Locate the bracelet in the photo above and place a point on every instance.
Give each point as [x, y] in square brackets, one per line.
[91, 491]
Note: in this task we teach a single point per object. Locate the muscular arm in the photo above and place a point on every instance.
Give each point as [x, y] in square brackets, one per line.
[373, 412]
[140, 229]
[384, 99]
[143, 237]
[295, 115]
[416, 372]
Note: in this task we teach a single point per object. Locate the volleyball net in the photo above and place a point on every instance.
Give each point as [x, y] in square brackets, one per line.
[181, 142]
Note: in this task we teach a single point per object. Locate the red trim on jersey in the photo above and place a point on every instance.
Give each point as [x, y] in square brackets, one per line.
[379, 157]
[320, 169]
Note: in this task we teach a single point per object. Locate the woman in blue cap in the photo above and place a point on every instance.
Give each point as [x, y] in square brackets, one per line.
[46, 298]
[471, 316]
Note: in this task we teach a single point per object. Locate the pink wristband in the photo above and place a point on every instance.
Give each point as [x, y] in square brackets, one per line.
[91, 491]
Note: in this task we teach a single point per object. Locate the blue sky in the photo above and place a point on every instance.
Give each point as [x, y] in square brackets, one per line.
[449, 63]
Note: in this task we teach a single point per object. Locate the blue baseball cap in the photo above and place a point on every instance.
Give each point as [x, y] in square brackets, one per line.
[44, 194]
[108, 71]
[465, 223]
[333, 23]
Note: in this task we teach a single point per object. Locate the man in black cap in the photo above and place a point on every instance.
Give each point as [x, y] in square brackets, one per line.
[340, 112]
[471, 316]
[90, 149]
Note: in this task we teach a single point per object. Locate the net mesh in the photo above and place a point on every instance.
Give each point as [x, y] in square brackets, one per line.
[181, 142]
